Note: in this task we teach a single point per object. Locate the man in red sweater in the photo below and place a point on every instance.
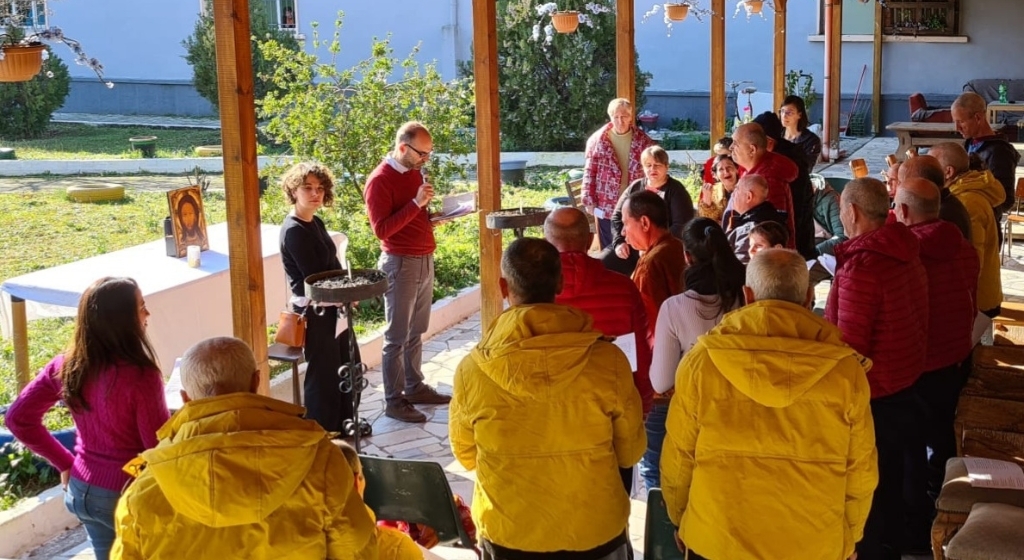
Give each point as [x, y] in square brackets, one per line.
[952, 266]
[396, 201]
[879, 301]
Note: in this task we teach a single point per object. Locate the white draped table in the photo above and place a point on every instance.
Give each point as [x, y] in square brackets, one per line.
[186, 304]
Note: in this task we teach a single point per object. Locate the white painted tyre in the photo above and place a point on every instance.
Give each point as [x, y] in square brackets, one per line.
[96, 192]
[209, 151]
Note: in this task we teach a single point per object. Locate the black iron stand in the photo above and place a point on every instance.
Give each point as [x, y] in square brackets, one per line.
[353, 379]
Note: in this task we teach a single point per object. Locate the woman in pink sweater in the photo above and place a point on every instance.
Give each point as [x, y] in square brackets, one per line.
[110, 381]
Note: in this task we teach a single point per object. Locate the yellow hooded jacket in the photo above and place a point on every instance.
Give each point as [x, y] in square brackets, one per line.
[546, 413]
[979, 191]
[770, 446]
[243, 476]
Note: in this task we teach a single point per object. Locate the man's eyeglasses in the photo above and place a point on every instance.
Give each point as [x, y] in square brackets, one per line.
[418, 152]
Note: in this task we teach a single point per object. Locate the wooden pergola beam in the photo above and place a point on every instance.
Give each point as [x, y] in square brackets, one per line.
[780, 53]
[625, 52]
[876, 74]
[488, 154]
[718, 110]
[241, 191]
[833, 75]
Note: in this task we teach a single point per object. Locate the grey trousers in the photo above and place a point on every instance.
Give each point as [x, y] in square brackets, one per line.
[407, 311]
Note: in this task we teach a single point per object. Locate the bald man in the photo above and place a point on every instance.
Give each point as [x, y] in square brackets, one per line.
[750, 206]
[952, 267]
[879, 302]
[950, 209]
[980, 193]
[750, 151]
[970, 114]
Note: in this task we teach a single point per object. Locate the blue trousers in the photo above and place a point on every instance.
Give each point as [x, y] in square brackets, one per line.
[94, 507]
[650, 470]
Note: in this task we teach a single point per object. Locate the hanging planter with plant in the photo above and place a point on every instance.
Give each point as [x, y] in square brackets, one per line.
[752, 7]
[20, 63]
[565, 22]
[21, 47]
[676, 12]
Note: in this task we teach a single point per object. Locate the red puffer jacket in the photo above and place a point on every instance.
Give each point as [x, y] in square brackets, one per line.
[879, 301]
[779, 171]
[952, 267]
[614, 302]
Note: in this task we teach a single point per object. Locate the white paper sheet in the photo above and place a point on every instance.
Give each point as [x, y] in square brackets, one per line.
[992, 473]
[172, 389]
[829, 262]
[627, 343]
[982, 324]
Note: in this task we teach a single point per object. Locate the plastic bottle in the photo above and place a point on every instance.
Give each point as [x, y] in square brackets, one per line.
[1002, 93]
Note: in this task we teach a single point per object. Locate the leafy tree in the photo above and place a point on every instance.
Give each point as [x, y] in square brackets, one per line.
[201, 49]
[346, 119]
[26, 107]
[554, 89]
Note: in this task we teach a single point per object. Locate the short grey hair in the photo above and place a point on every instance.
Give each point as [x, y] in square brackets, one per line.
[870, 196]
[971, 102]
[217, 366]
[618, 103]
[779, 274]
[533, 269]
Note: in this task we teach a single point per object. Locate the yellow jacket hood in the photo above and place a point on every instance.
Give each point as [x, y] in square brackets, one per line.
[532, 352]
[791, 360]
[247, 471]
[981, 183]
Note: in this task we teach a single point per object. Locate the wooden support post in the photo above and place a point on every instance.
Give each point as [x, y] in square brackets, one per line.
[625, 52]
[241, 180]
[488, 155]
[876, 75]
[19, 337]
[833, 77]
[718, 110]
[780, 53]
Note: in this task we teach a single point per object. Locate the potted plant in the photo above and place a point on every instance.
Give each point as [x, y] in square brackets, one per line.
[677, 11]
[752, 7]
[21, 42]
[565, 22]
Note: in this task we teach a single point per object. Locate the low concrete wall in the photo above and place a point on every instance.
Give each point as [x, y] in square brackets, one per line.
[162, 166]
[33, 522]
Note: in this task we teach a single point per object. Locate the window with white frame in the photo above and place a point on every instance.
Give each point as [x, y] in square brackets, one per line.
[31, 13]
[283, 14]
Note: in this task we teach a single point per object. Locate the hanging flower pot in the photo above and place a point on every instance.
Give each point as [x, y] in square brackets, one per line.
[21, 62]
[565, 22]
[754, 6]
[677, 12]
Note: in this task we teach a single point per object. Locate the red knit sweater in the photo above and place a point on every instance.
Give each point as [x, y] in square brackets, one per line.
[401, 225]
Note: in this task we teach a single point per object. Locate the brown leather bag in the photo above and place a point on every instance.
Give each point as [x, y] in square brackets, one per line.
[291, 329]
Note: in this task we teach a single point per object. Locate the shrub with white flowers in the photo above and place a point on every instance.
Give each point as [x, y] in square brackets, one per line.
[20, 20]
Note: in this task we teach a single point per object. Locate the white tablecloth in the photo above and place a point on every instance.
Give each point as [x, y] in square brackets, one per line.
[186, 304]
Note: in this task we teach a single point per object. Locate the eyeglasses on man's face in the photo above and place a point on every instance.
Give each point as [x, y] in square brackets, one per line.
[418, 152]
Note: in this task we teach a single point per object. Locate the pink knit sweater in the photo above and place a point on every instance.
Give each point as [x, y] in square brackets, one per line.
[126, 407]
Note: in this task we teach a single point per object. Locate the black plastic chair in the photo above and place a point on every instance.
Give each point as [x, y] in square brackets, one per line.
[415, 492]
[659, 539]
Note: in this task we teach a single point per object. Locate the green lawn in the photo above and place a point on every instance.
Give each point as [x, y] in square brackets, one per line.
[83, 141]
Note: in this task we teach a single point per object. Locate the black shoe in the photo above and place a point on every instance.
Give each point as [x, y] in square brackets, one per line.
[403, 411]
[427, 395]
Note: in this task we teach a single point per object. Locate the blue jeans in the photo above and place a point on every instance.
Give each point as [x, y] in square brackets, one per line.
[94, 507]
[649, 464]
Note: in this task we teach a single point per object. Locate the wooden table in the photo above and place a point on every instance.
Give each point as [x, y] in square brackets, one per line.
[914, 134]
[997, 107]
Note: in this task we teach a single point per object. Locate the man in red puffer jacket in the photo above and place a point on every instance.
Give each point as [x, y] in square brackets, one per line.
[879, 301]
[952, 266]
[750, 151]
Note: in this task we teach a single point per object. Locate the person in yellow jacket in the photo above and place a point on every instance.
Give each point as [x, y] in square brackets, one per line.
[979, 192]
[770, 447]
[545, 411]
[240, 475]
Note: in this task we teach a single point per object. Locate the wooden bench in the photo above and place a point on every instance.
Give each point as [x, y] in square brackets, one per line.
[915, 134]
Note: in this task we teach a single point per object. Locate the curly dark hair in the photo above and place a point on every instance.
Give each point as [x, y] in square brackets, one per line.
[296, 176]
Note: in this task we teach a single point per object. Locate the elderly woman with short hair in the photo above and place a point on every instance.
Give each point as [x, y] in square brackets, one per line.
[612, 163]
